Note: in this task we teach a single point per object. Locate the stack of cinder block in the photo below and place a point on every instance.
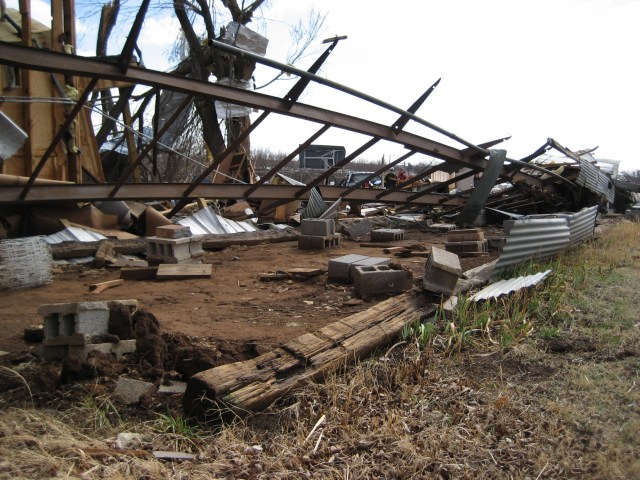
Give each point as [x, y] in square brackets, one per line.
[77, 328]
[467, 243]
[317, 234]
[441, 272]
[370, 275]
[341, 269]
[387, 235]
[174, 244]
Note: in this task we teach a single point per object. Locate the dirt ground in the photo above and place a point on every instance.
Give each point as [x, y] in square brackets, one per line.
[234, 309]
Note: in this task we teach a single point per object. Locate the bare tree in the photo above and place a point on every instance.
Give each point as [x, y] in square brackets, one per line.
[200, 21]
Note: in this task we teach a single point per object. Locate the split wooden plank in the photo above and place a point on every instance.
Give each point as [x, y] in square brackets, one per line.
[185, 271]
[102, 286]
[139, 273]
[106, 253]
[256, 383]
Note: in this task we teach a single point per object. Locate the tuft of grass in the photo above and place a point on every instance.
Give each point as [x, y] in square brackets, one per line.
[177, 431]
[98, 413]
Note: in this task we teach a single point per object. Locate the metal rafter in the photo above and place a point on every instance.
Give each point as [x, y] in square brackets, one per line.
[163, 191]
[23, 57]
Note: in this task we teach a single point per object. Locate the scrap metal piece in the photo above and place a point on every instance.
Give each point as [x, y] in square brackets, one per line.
[594, 179]
[504, 287]
[205, 221]
[74, 234]
[482, 191]
[316, 205]
[12, 137]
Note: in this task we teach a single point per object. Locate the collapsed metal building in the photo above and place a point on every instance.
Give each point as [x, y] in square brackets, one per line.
[67, 168]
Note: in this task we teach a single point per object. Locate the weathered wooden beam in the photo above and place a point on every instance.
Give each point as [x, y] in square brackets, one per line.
[252, 385]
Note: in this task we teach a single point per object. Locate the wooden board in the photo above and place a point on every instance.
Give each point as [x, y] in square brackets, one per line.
[184, 271]
[139, 273]
[101, 287]
[256, 383]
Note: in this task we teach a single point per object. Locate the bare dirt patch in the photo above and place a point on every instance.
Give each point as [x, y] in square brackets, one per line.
[233, 307]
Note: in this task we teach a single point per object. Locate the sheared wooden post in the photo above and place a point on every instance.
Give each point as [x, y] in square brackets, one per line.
[252, 385]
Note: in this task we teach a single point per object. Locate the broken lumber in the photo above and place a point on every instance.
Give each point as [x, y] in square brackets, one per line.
[105, 254]
[184, 271]
[252, 385]
[102, 286]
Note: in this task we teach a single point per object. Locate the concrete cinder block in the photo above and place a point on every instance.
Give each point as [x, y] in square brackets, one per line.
[441, 271]
[66, 319]
[444, 227]
[466, 247]
[358, 229]
[387, 235]
[173, 231]
[466, 235]
[339, 267]
[380, 280]
[118, 350]
[318, 227]
[367, 262]
[173, 250]
[313, 242]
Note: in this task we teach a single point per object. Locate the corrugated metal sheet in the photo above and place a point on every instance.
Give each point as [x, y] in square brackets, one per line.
[537, 238]
[582, 225]
[315, 205]
[74, 234]
[504, 287]
[205, 222]
[594, 179]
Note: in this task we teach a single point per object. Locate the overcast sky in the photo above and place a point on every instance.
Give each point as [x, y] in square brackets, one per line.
[566, 69]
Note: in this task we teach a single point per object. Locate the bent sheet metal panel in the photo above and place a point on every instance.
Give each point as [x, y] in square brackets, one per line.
[74, 234]
[582, 225]
[205, 222]
[504, 287]
[537, 238]
[594, 179]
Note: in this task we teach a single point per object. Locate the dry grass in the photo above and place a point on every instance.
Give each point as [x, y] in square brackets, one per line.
[530, 410]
